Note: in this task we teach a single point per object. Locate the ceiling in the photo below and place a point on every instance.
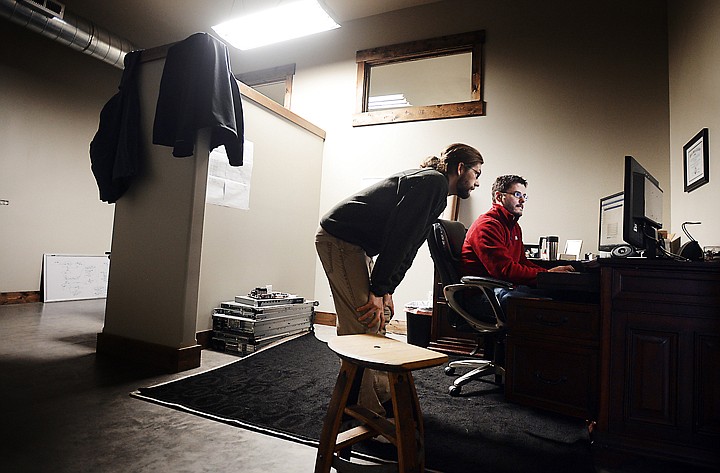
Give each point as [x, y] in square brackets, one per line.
[149, 23]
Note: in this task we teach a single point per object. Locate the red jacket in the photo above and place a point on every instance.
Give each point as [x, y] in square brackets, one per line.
[494, 247]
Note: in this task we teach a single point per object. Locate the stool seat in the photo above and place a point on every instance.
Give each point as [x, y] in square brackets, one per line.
[405, 430]
[383, 353]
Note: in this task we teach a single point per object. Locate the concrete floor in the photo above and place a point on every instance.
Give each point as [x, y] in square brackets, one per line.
[66, 410]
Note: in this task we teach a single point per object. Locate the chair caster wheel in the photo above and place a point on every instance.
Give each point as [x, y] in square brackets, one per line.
[449, 370]
[454, 391]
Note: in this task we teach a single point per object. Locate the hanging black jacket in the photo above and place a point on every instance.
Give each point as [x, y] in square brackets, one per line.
[198, 90]
[115, 150]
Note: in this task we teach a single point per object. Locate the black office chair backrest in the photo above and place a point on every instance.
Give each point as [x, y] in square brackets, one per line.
[481, 305]
[445, 242]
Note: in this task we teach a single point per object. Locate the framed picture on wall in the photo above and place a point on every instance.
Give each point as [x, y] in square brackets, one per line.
[696, 161]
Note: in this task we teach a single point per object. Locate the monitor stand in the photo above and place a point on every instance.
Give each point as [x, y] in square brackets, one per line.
[652, 242]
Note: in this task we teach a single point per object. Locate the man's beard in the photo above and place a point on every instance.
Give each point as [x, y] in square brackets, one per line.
[464, 193]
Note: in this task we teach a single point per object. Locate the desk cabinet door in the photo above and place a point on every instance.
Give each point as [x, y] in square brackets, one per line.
[665, 373]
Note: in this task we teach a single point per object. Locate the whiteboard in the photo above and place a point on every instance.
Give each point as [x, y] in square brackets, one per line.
[75, 277]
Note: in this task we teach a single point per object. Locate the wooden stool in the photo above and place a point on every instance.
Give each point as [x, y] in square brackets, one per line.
[396, 358]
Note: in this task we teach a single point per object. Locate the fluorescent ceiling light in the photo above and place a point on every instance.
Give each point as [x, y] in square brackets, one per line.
[292, 19]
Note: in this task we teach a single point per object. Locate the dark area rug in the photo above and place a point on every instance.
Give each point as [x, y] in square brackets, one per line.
[284, 391]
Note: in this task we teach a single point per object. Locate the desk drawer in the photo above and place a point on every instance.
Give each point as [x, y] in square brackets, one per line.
[559, 378]
[554, 318]
[675, 293]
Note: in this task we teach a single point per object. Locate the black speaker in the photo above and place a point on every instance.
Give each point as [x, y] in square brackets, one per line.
[622, 251]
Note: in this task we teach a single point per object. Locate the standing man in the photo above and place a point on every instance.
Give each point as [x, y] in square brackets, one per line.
[389, 221]
[494, 243]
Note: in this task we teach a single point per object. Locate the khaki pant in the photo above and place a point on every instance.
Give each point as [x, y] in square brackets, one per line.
[348, 271]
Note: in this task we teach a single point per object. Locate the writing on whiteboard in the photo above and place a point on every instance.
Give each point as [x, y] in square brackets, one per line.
[75, 277]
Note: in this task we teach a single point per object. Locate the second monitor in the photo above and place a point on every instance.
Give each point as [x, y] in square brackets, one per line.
[629, 220]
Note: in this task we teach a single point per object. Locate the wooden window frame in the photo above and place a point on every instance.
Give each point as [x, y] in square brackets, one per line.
[270, 76]
[424, 49]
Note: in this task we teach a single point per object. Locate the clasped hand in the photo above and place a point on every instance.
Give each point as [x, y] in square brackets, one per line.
[373, 312]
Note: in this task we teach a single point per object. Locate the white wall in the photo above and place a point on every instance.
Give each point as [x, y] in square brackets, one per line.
[50, 102]
[570, 91]
[273, 241]
[694, 105]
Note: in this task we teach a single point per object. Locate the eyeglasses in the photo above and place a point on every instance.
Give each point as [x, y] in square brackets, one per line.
[517, 195]
[477, 172]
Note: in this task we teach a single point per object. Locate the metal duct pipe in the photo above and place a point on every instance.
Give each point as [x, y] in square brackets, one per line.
[71, 30]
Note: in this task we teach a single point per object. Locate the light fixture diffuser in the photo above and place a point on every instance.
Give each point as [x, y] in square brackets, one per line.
[292, 19]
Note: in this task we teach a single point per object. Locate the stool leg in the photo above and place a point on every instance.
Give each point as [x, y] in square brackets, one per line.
[346, 386]
[416, 408]
[352, 399]
[408, 423]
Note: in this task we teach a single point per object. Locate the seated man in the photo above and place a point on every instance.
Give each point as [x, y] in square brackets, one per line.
[494, 244]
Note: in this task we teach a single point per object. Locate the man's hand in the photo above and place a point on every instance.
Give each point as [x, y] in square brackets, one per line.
[390, 305]
[562, 269]
[388, 302]
[371, 314]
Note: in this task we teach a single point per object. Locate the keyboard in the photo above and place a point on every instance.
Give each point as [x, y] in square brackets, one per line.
[585, 266]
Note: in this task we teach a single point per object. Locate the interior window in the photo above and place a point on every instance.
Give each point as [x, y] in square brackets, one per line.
[274, 83]
[421, 80]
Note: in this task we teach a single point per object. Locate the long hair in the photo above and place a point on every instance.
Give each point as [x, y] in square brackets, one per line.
[451, 156]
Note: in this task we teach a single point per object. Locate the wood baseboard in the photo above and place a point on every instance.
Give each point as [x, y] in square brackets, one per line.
[172, 360]
[398, 327]
[324, 318]
[23, 297]
[204, 338]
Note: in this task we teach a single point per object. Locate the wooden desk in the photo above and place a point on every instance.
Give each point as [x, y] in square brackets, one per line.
[642, 362]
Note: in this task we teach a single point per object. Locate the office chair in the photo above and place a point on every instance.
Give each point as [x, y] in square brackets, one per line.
[484, 316]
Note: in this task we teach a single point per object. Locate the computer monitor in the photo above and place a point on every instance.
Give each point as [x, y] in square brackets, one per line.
[611, 222]
[642, 208]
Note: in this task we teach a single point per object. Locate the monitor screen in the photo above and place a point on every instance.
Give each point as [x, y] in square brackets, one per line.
[611, 222]
[642, 212]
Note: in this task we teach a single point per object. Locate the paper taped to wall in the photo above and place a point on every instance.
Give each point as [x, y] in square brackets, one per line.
[227, 185]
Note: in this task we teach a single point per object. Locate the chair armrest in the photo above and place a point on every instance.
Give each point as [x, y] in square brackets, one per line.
[478, 324]
[486, 282]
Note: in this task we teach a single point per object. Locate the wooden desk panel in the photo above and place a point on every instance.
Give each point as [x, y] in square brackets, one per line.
[660, 357]
[553, 353]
